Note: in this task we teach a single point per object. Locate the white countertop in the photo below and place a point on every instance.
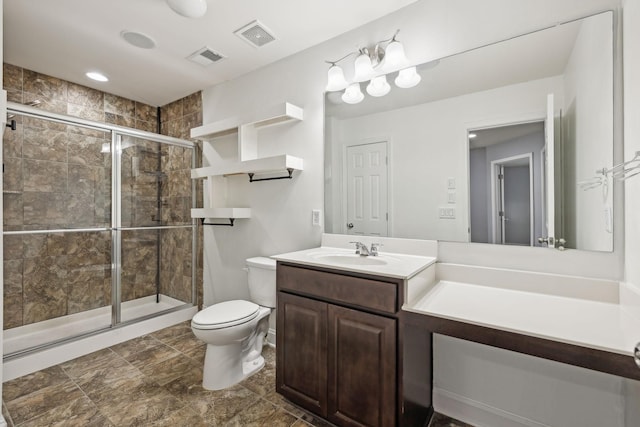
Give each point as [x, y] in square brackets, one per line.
[388, 264]
[598, 325]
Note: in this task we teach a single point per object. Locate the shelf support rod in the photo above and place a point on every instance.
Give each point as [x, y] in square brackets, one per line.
[231, 221]
[252, 179]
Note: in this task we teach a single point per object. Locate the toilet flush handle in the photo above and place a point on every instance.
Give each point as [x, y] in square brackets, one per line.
[636, 354]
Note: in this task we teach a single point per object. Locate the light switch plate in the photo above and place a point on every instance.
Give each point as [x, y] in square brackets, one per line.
[451, 197]
[447, 212]
[451, 183]
[315, 217]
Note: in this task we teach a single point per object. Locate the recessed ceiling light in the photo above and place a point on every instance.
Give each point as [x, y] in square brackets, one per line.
[138, 39]
[99, 77]
[472, 135]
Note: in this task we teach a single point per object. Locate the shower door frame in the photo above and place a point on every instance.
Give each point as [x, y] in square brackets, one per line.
[116, 132]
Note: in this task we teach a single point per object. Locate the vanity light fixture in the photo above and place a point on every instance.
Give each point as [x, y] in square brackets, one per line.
[353, 94]
[407, 78]
[373, 65]
[378, 86]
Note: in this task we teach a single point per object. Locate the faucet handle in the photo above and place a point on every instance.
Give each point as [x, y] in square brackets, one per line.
[358, 246]
[374, 248]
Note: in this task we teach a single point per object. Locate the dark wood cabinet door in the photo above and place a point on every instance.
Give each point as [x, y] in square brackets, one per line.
[301, 352]
[362, 368]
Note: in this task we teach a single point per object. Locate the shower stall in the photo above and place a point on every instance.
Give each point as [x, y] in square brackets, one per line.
[97, 228]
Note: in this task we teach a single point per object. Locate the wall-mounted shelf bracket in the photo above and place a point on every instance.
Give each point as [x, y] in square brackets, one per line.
[223, 224]
[252, 179]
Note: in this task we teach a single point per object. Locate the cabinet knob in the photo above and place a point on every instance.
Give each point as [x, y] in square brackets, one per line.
[350, 225]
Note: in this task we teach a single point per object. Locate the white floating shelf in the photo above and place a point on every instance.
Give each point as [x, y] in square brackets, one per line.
[258, 166]
[227, 213]
[280, 113]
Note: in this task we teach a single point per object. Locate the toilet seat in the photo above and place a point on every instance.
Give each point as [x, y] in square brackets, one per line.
[225, 314]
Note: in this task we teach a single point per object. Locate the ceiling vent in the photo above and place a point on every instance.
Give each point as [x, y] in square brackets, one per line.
[255, 33]
[205, 56]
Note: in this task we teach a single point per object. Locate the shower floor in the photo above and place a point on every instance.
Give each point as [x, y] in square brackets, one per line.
[49, 331]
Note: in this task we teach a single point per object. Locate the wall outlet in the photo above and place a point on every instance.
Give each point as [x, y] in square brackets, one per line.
[447, 213]
[315, 217]
[451, 197]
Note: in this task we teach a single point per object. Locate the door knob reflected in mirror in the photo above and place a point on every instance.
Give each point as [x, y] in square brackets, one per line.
[350, 225]
[551, 241]
[548, 240]
[561, 243]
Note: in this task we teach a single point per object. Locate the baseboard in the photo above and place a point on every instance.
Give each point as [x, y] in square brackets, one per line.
[271, 337]
[477, 413]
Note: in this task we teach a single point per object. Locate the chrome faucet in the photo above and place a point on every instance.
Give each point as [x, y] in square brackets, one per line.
[362, 250]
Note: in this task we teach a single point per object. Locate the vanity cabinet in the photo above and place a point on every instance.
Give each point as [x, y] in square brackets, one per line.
[337, 344]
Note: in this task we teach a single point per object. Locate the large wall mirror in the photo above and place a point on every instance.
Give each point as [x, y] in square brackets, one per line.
[499, 144]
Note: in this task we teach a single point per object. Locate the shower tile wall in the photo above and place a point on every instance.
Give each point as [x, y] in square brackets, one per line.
[56, 176]
[177, 120]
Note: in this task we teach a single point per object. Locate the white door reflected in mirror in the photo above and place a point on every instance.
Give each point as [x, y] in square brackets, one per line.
[366, 193]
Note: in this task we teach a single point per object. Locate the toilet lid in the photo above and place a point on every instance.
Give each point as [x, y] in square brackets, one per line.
[225, 314]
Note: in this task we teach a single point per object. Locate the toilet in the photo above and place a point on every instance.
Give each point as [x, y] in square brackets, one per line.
[234, 331]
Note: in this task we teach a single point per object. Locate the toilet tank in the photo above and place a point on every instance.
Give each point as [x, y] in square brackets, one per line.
[262, 281]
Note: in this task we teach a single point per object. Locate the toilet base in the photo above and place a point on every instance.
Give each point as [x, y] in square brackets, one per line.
[251, 367]
[222, 369]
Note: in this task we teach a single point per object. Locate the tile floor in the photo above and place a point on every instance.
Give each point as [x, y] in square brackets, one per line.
[154, 380]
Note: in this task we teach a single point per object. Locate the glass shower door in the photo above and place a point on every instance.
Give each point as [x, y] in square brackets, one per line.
[154, 228]
[57, 239]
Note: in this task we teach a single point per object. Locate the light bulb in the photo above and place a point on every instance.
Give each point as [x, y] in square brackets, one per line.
[335, 79]
[353, 95]
[407, 78]
[363, 68]
[378, 86]
[394, 57]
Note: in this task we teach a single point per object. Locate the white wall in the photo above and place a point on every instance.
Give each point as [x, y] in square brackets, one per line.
[632, 186]
[281, 209]
[426, 156]
[590, 63]
[632, 137]
[489, 387]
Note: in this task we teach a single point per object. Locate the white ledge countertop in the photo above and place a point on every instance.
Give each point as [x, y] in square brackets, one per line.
[399, 266]
[598, 325]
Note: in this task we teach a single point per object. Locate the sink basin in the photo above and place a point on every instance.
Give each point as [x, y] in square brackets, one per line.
[389, 264]
[350, 259]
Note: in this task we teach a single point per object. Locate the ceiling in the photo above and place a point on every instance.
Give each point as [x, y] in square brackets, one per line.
[500, 134]
[67, 38]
